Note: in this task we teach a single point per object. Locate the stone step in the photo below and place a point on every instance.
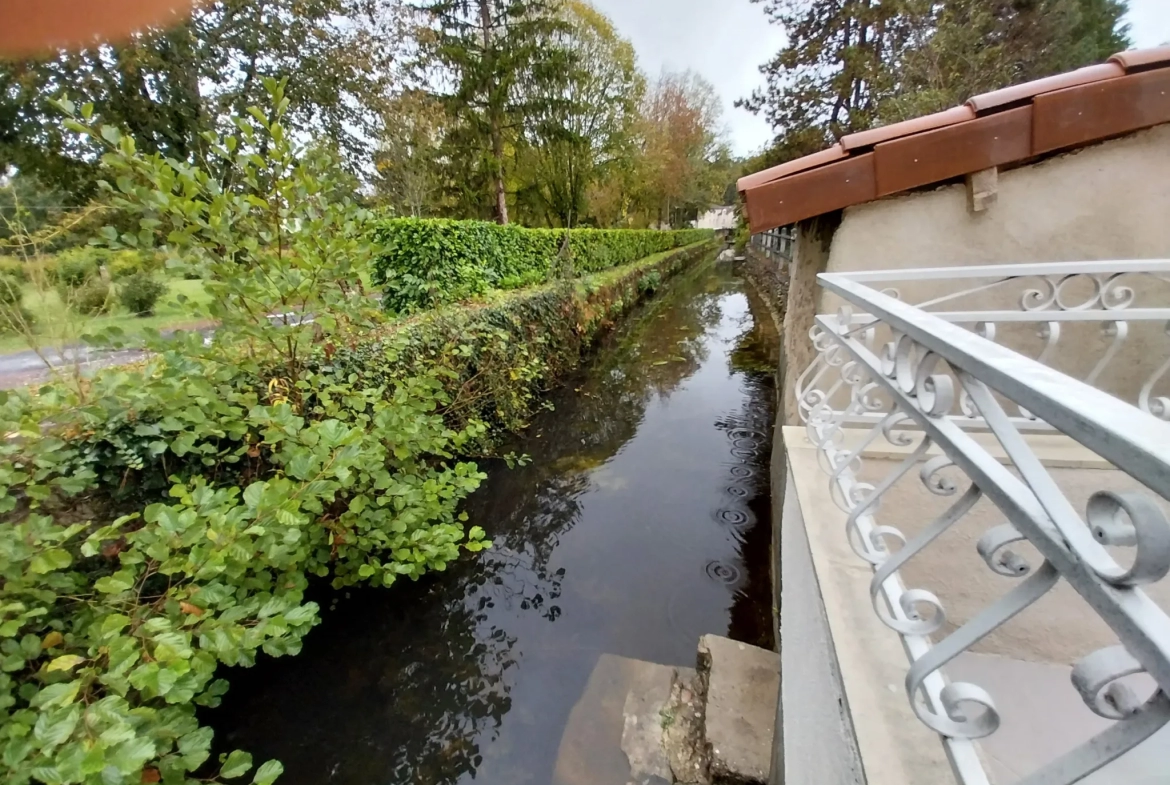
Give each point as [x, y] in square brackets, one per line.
[642, 723]
[741, 686]
[621, 707]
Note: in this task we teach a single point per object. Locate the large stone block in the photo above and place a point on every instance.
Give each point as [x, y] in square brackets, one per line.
[743, 686]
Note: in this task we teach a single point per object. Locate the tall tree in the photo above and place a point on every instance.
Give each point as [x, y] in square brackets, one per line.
[168, 87]
[407, 158]
[486, 55]
[583, 126]
[848, 64]
[967, 47]
[834, 69]
[681, 142]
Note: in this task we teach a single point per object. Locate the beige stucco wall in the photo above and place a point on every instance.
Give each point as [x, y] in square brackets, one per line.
[1109, 201]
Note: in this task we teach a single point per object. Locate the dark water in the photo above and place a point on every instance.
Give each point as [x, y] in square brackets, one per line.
[641, 524]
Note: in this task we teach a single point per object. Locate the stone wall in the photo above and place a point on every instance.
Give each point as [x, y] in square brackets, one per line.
[770, 279]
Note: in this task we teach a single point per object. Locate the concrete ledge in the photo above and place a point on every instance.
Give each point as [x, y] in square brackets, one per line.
[895, 748]
[1055, 450]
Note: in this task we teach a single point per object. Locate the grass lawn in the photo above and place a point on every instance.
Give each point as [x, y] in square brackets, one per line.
[57, 324]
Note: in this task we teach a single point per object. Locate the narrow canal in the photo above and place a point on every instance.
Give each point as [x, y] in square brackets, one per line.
[641, 523]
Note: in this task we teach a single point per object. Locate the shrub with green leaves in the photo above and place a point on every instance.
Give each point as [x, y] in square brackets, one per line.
[139, 293]
[422, 263]
[13, 267]
[11, 290]
[90, 298]
[41, 270]
[161, 520]
[77, 265]
[124, 264]
[14, 317]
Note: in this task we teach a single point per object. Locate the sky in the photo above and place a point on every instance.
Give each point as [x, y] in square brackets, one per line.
[727, 40]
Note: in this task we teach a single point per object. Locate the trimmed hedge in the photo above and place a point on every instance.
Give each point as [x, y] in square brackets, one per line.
[498, 357]
[423, 263]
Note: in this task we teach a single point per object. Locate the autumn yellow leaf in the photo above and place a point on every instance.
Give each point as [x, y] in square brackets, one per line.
[66, 662]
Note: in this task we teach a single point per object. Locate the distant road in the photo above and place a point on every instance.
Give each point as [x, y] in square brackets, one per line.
[27, 367]
[20, 369]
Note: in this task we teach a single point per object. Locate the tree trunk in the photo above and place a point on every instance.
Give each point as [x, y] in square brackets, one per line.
[496, 124]
[498, 173]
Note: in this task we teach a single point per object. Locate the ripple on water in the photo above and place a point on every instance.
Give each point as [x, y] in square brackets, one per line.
[738, 519]
[742, 454]
[722, 572]
[738, 491]
[743, 472]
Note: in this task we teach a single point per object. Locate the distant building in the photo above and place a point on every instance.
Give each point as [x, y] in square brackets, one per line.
[719, 218]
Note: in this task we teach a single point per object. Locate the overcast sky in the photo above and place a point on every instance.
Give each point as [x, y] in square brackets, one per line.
[727, 40]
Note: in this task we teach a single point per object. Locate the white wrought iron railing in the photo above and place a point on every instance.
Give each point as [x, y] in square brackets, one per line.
[926, 376]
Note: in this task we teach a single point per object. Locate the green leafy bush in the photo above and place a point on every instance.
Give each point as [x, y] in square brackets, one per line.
[11, 290]
[41, 270]
[14, 317]
[139, 293]
[423, 263]
[165, 519]
[13, 268]
[77, 265]
[90, 298]
[124, 264]
[496, 359]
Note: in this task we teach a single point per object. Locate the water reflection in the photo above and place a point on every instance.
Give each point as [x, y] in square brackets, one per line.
[640, 524]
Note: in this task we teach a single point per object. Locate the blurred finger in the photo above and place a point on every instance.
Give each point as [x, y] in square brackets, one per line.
[29, 27]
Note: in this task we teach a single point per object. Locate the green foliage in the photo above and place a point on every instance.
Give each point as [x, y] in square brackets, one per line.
[14, 317]
[848, 66]
[76, 266]
[139, 293]
[582, 127]
[164, 519]
[498, 56]
[496, 359]
[11, 290]
[13, 268]
[168, 86]
[42, 269]
[650, 283]
[90, 298]
[977, 46]
[123, 264]
[424, 263]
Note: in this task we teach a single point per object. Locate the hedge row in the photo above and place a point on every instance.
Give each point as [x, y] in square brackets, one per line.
[499, 357]
[422, 263]
[78, 264]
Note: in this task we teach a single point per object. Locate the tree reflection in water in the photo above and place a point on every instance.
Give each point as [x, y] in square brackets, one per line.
[412, 684]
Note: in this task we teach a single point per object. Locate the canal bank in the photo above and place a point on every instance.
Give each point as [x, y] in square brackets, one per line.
[641, 523]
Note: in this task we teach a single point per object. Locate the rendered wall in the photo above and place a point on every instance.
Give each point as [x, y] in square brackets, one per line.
[1106, 202]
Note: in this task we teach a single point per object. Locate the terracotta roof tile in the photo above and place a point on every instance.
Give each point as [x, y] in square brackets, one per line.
[946, 153]
[994, 129]
[1022, 92]
[1085, 114]
[919, 124]
[1139, 58]
[828, 156]
[813, 192]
